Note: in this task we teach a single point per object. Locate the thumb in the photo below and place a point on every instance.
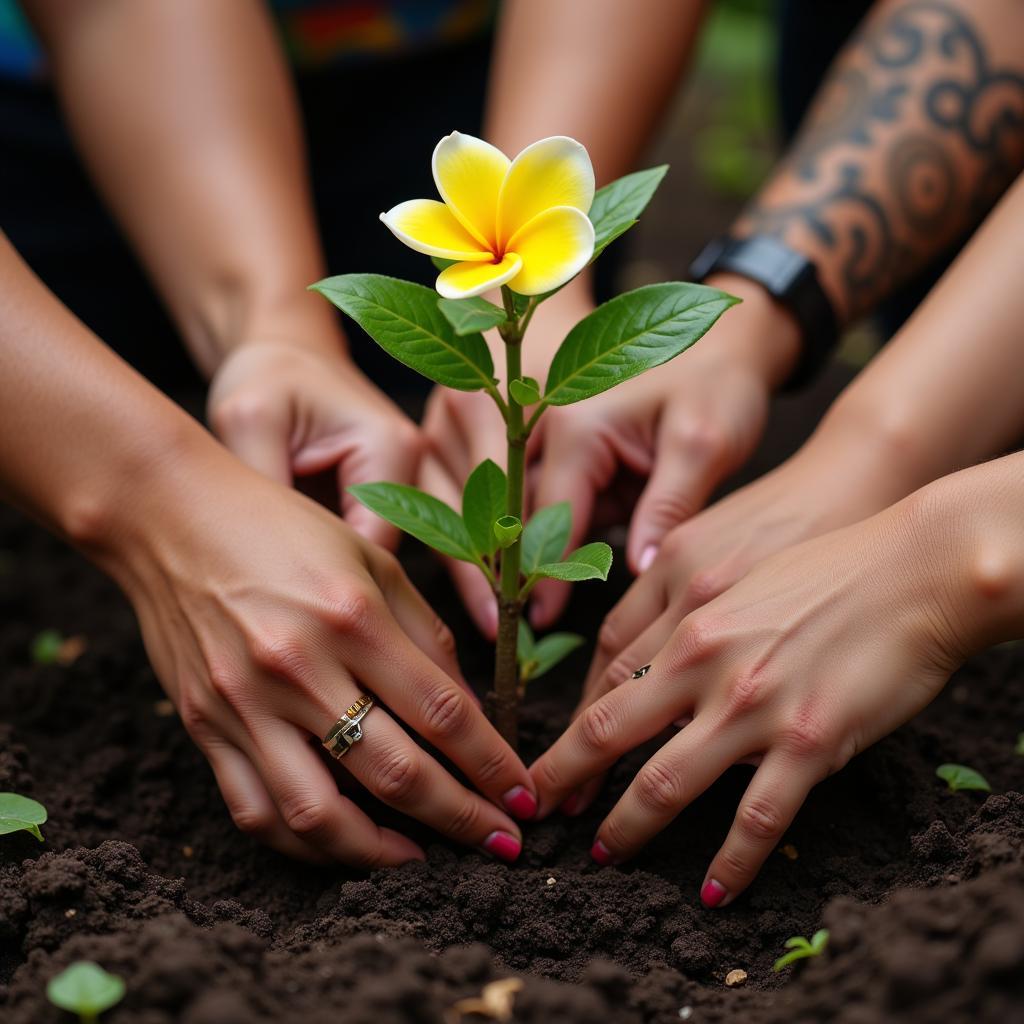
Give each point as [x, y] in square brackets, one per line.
[381, 452]
[572, 469]
[257, 431]
[689, 461]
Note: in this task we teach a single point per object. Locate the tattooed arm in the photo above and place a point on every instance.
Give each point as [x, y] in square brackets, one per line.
[917, 131]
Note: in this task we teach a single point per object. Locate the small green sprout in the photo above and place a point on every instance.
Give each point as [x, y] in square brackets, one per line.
[46, 647]
[800, 949]
[1019, 748]
[86, 989]
[20, 814]
[959, 776]
[539, 656]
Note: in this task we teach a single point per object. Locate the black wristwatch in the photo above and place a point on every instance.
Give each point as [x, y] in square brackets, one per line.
[788, 276]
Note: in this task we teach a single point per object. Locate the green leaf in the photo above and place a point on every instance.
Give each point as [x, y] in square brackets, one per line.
[441, 263]
[86, 989]
[617, 206]
[546, 535]
[46, 647]
[631, 333]
[959, 776]
[1019, 748]
[421, 515]
[507, 530]
[590, 562]
[470, 316]
[483, 501]
[20, 814]
[801, 949]
[404, 320]
[550, 650]
[526, 641]
[525, 391]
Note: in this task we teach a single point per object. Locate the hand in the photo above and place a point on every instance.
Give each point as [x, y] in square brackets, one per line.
[815, 654]
[292, 411]
[265, 617]
[685, 426]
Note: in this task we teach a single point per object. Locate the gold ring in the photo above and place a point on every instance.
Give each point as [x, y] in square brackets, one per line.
[346, 731]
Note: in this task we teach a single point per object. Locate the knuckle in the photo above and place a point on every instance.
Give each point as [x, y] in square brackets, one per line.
[658, 789]
[610, 636]
[194, 716]
[444, 638]
[737, 865]
[704, 585]
[397, 778]
[748, 692]
[251, 820]
[241, 412]
[351, 613]
[702, 440]
[697, 639]
[549, 775]
[671, 507]
[597, 726]
[493, 767]
[446, 713]
[283, 656]
[760, 820]
[615, 836]
[806, 734]
[465, 819]
[617, 673]
[306, 818]
[228, 683]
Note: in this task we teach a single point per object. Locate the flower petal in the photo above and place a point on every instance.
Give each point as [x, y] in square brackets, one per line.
[552, 172]
[430, 227]
[464, 280]
[468, 173]
[555, 246]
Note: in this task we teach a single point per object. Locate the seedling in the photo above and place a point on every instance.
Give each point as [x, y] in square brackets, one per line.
[20, 814]
[86, 989]
[539, 656]
[959, 776]
[1019, 748]
[46, 647]
[800, 949]
[526, 226]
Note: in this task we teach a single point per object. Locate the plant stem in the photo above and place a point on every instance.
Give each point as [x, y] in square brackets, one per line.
[505, 697]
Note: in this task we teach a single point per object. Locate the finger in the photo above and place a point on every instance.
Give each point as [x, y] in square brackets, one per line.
[420, 623]
[402, 775]
[689, 463]
[644, 602]
[771, 802]
[250, 805]
[312, 808]
[622, 719]
[575, 472]
[675, 776]
[470, 582]
[258, 434]
[436, 707]
[384, 451]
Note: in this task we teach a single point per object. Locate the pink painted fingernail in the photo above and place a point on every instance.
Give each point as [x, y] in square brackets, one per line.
[520, 803]
[646, 557]
[712, 893]
[503, 846]
[601, 854]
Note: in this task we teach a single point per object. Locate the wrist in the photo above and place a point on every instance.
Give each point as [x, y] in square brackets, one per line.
[760, 333]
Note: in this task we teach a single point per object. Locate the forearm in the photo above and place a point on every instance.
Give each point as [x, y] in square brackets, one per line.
[186, 118]
[945, 393]
[916, 132]
[83, 433]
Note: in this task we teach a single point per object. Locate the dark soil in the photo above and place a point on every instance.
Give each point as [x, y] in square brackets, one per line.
[142, 870]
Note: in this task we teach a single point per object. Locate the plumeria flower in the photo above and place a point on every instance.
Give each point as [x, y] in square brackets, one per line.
[520, 222]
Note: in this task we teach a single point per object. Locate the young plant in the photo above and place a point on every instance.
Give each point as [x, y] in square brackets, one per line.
[46, 647]
[959, 776]
[86, 989]
[20, 814]
[800, 949]
[527, 227]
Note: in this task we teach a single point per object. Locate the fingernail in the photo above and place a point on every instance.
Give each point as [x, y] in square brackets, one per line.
[571, 804]
[520, 803]
[646, 557]
[503, 846]
[712, 893]
[601, 854]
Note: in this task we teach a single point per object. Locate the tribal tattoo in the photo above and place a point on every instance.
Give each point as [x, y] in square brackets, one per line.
[917, 132]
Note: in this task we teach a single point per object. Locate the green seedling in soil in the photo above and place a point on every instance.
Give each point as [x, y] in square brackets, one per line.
[46, 647]
[800, 949]
[959, 776]
[20, 814]
[1019, 748]
[86, 989]
[441, 338]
